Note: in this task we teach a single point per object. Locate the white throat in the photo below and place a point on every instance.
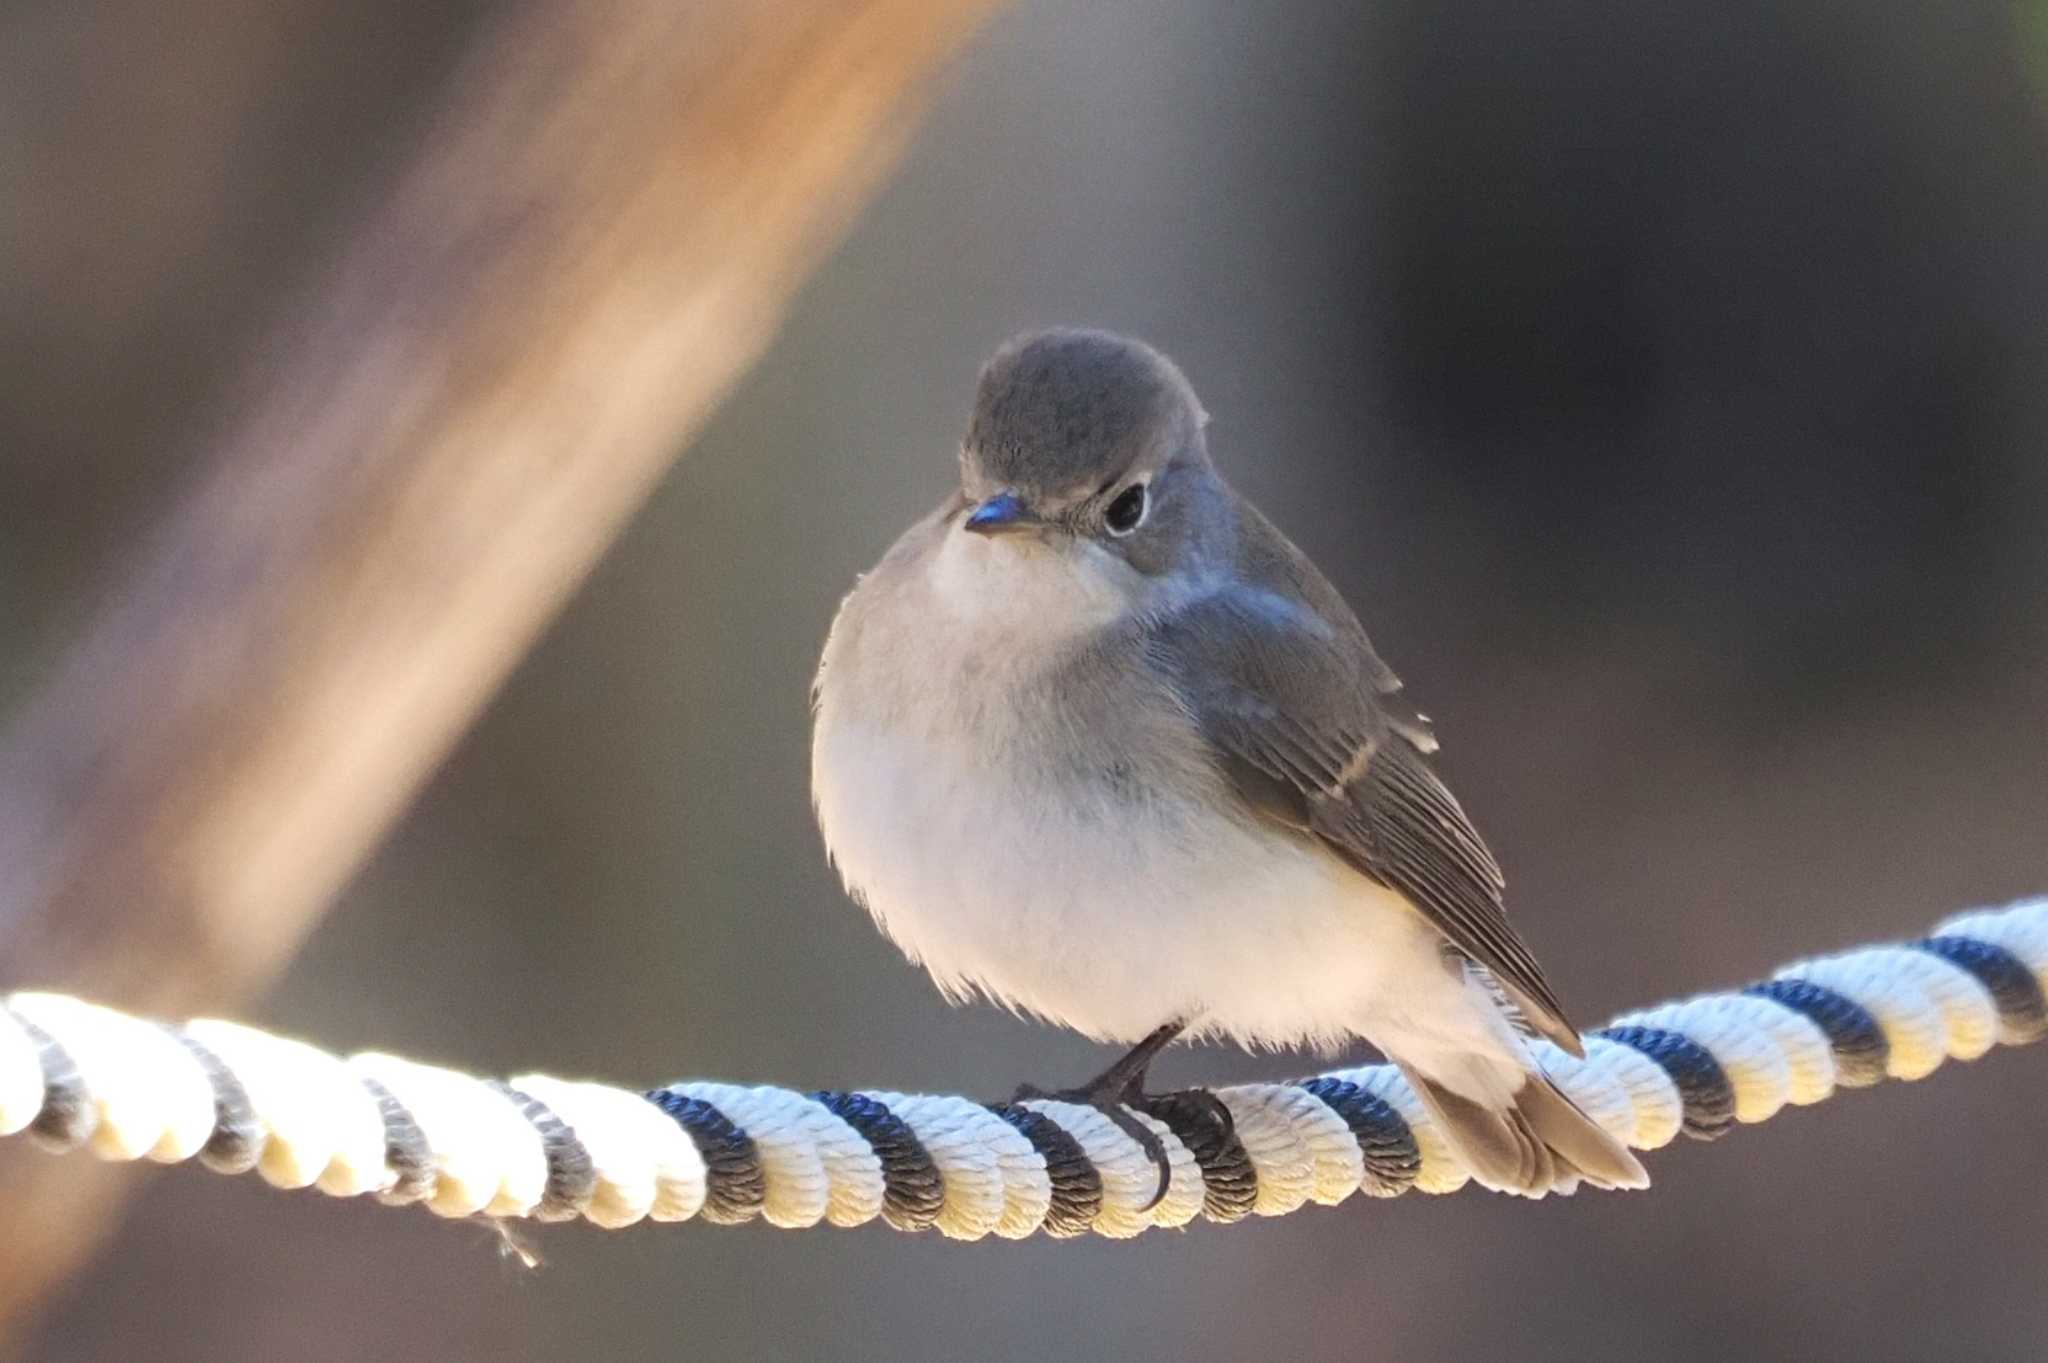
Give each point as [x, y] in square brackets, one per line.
[1032, 592]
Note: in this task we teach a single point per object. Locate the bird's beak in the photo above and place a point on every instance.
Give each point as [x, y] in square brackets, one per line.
[1002, 514]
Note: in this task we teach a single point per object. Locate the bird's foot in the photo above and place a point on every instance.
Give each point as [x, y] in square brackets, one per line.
[1120, 1089]
[1115, 1104]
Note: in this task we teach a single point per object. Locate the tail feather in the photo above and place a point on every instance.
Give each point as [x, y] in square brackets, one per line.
[1577, 1139]
[1539, 1143]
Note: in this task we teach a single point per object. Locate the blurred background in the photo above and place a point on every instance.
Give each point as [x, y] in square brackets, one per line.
[1666, 385]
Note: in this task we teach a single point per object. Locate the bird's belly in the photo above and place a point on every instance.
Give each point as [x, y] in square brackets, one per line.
[1111, 915]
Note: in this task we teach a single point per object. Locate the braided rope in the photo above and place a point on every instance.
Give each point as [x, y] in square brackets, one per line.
[73, 1074]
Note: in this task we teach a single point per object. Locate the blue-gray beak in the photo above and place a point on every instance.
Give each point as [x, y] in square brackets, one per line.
[1001, 514]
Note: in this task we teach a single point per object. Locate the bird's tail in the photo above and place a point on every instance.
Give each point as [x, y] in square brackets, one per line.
[1529, 1140]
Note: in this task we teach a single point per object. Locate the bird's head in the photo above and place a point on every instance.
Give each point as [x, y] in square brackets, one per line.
[1086, 439]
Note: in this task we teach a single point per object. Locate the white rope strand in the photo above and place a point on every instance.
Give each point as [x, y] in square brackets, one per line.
[76, 1075]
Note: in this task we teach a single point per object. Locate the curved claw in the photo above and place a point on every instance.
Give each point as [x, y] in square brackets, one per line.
[1148, 1141]
[1121, 1088]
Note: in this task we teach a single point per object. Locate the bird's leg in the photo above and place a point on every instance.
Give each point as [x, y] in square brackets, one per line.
[1127, 1075]
[1122, 1087]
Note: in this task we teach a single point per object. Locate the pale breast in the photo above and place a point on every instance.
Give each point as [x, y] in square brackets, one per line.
[1028, 813]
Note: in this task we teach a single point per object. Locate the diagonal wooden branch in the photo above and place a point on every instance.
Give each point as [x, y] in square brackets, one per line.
[602, 228]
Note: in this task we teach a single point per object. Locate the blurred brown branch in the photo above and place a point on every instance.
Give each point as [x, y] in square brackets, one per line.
[602, 228]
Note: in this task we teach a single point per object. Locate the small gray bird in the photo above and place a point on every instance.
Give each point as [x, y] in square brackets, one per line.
[1096, 742]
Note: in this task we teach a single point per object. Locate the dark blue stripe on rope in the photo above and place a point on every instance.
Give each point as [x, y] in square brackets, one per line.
[2022, 1010]
[913, 1189]
[1861, 1048]
[572, 1177]
[1076, 1182]
[1703, 1086]
[734, 1188]
[68, 1118]
[236, 1143]
[406, 1151]
[1392, 1160]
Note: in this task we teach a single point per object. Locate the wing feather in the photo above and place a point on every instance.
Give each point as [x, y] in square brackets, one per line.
[1309, 726]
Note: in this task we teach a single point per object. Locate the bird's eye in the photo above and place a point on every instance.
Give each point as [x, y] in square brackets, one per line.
[1127, 512]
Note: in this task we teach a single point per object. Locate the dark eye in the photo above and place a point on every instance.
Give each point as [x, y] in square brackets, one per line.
[1127, 511]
